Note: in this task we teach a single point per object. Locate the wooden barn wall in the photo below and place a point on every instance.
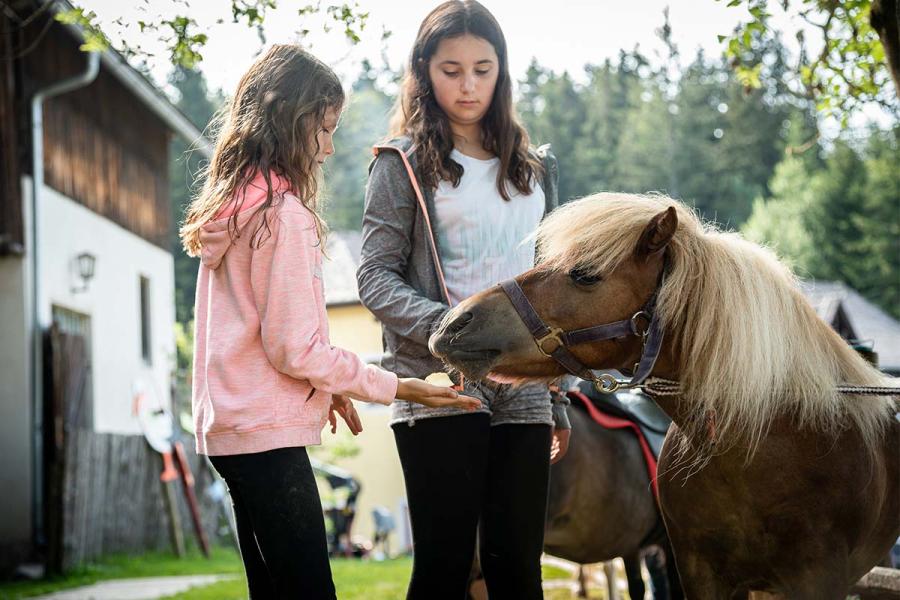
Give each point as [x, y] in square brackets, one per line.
[102, 146]
[12, 236]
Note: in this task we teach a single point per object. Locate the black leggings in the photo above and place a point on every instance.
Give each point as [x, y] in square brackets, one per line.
[280, 526]
[460, 470]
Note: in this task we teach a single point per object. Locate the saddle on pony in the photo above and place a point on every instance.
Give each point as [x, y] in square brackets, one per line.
[626, 410]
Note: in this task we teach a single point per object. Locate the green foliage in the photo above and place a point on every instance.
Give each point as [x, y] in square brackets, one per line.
[336, 447]
[553, 110]
[184, 346]
[611, 93]
[363, 123]
[184, 44]
[841, 221]
[778, 220]
[94, 39]
[184, 38]
[253, 12]
[846, 68]
[693, 133]
[880, 225]
[199, 106]
[350, 17]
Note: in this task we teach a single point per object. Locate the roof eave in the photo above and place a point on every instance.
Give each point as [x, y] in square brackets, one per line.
[146, 91]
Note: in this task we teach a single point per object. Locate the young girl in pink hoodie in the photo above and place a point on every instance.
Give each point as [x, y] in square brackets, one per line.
[266, 378]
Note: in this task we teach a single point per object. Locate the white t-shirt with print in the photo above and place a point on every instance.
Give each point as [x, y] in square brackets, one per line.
[482, 238]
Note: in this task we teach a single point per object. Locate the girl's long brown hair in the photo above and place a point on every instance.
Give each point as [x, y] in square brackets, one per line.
[269, 128]
[418, 115]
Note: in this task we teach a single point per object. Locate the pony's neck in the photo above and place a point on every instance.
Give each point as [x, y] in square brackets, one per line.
[676, 407]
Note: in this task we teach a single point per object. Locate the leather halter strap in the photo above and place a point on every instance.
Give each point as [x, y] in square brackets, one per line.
[554, 342]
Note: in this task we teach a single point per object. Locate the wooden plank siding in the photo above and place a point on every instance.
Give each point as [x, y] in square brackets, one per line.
[12, 235]
[112, 499]
[103, 147]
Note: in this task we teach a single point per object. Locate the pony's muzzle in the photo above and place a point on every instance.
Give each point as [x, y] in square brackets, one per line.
[448, 332]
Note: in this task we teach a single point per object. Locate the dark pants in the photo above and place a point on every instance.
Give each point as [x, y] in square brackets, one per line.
[460, 471]
[280, 526]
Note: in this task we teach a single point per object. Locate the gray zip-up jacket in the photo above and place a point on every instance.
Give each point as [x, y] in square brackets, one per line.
[397, 277]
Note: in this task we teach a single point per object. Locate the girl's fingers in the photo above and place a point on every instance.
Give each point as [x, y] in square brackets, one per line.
[333, 420]
[351, 418]
[464, 402]
[440, 391]
[350, 421]
[468, 402]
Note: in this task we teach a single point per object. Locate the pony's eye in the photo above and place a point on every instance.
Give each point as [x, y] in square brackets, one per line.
[582, 278]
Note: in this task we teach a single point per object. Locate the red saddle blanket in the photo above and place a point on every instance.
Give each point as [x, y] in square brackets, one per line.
[610, 421]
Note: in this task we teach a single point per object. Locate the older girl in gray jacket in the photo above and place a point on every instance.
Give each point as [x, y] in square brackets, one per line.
[450, 203]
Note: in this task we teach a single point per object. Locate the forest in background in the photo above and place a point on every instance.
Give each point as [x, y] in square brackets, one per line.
[750, 159]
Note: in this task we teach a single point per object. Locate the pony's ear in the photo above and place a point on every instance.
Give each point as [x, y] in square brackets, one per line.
[658, 233]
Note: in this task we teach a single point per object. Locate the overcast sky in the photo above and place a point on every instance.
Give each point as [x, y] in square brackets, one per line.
[561, 34]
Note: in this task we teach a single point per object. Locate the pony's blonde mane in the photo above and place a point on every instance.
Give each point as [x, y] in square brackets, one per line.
[751, 347]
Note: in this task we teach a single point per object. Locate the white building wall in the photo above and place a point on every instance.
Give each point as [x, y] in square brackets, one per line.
[112, 301]
[15, 409]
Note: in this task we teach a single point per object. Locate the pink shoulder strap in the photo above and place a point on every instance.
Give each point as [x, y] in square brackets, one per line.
[421, 199]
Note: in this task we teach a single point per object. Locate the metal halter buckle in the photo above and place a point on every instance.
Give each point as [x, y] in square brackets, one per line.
[606, 383]
[554, 335]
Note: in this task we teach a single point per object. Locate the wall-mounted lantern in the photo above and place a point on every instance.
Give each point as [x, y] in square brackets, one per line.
[85, 262]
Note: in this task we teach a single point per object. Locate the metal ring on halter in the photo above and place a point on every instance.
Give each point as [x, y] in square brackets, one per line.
[634, 325]
[554, 335]
[606, 383]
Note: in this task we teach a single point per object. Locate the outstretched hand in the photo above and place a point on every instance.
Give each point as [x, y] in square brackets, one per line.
[434, 396]
[344, 406]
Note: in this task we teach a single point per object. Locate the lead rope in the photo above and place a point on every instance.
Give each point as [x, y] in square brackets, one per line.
[667, 387]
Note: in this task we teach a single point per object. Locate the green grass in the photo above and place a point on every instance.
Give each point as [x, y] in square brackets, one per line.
[594, 593]
[549, 572]
[151, 564]
[376, 580]
[354, 579]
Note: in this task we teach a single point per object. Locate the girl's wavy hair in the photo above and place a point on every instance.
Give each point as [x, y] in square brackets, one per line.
[268, 128]
[418, 115]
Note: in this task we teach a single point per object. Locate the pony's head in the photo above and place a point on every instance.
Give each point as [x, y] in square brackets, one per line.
[586, 276]
[739, 335]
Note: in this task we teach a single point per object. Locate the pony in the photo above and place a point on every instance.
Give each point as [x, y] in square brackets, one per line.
[770, 479]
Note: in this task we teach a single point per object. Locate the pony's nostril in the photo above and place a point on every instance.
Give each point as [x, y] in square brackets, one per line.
[459, 323]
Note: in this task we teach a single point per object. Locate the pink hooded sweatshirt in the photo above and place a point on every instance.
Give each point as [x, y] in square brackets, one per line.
[264, 370]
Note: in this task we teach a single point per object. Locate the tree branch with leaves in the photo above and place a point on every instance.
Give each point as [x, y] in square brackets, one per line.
[849, 51]
[184, 39]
